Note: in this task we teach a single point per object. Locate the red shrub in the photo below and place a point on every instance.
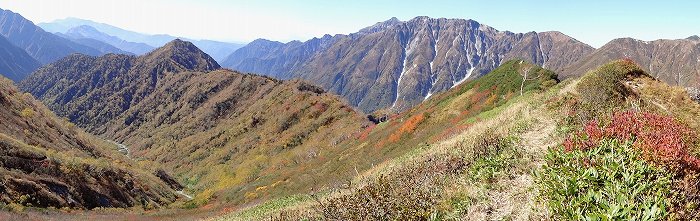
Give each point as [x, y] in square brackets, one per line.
[462, 115]
[590, 136]
[408, 127]
[661, 139]
[479, 96]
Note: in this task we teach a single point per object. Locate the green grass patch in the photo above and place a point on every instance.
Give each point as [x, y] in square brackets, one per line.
[607, 182]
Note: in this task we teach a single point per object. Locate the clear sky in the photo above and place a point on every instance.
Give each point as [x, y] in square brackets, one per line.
[593, 22]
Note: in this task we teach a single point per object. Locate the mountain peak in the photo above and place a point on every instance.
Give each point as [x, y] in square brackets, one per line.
[180, 44]
[178, 41]
[130, 79]
[422, 17]
[184, 53]
[84, 27]
[83, 31]
[693, 38]
[379, 26]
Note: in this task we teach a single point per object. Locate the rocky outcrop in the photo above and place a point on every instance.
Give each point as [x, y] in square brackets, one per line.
[694, 93]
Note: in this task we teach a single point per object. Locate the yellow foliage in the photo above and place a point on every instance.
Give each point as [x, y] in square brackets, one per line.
[261, 188]
[27, 113]
[491, 100]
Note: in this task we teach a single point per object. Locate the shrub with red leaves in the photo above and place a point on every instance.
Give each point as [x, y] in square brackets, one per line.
[661, 139]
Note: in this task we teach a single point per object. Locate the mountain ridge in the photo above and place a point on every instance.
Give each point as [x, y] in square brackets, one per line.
[673, 61]
[175, 106]
[89, 32]
[15, 63]
[395, 64]
[217, 49]
[92, 79]
[43, 46]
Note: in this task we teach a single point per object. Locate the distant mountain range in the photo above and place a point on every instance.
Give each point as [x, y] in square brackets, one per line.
[77, 36]
[676, 62]
[396, 64]
[24, 46]
[88, 32]
[390, 65]
[15, 63]
[41, 45]
[100, 46]
[126, 40]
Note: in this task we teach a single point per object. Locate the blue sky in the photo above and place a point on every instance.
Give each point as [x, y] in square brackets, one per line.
[593, 22]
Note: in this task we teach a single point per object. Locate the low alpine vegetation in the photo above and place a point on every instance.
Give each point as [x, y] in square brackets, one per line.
[608, 181]
[631, 158]
[661, 139]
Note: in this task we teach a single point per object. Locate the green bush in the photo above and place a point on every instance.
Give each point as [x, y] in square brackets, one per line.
[604, 88]
[607, 182]
[494, 155]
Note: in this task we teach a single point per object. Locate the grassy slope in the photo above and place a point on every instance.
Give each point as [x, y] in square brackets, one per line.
[500, 179]
[450, 123]
[236, 138]
[272, 139]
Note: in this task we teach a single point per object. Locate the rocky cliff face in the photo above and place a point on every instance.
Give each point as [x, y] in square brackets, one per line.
[396, 64]
[672, 61]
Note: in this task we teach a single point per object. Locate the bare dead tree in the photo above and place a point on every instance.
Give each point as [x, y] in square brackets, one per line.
[525, 70]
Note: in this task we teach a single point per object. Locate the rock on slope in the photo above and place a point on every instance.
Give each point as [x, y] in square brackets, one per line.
[397, 65]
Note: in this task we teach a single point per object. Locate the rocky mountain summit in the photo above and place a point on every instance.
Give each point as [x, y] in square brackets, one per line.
[398, 64]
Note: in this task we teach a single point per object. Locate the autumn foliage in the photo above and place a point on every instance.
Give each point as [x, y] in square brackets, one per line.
[365, 133]
[408, 127]
[661, 139]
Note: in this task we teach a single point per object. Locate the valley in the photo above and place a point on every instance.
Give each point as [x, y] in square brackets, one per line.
[426, 118]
